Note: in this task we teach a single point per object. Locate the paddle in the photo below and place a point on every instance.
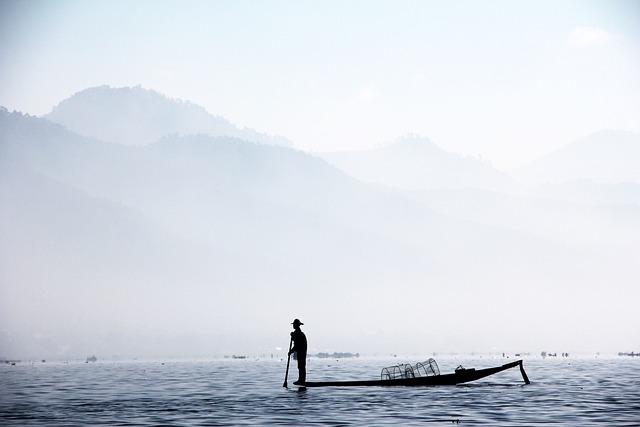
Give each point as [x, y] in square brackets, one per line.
[286, 375]
[524, 374]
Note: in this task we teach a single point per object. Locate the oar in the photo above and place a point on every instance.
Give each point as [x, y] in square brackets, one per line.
[524, 374]
[286, 375]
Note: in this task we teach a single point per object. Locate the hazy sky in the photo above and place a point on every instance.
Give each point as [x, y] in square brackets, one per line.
[505, 80]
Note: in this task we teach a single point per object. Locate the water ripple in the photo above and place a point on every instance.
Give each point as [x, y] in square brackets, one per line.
[575, 392]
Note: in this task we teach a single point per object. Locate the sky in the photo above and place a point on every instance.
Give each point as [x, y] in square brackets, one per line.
[507, 81]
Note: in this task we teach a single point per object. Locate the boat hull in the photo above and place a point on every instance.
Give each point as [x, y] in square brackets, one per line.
[459, 377]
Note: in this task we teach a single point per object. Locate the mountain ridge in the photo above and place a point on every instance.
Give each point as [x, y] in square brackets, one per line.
[139, 116]
[414, 162]
[271, 228]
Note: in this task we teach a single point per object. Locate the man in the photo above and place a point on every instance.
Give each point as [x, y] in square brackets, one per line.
[300, 348]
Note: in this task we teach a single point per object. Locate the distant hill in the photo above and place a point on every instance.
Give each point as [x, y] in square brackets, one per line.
[416, 163]
[263, 202]
[137, 116]
[270, 204]
[95, 234]
[608, 156]
[191, 233]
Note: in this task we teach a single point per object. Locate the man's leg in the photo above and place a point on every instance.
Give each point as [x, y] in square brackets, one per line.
[302, 369]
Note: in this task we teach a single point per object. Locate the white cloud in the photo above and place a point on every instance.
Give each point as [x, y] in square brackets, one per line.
[588, 36]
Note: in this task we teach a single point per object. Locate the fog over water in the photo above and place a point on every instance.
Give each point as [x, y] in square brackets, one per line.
[201, 244]
[137, 222]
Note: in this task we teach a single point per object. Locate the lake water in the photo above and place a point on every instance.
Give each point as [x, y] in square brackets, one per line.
[231, 392]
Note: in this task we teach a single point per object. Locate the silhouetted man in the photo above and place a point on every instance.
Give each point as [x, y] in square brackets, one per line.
[300, 348]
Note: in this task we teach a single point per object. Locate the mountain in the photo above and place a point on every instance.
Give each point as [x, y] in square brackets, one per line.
[248, 198]
[180, 238]
[416, 163]
[67, 256]
[608, 156]
[137, 116]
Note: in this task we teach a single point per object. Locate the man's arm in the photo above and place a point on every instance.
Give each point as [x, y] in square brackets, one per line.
[293, 349]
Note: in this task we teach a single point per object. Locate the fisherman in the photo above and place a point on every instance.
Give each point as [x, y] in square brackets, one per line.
[300, 348]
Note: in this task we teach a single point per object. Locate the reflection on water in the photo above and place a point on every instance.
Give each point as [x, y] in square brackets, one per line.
[563, 392]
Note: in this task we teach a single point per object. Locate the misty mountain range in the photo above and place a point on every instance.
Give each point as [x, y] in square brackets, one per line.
[137, 116]
[125, 207]
[416, 163]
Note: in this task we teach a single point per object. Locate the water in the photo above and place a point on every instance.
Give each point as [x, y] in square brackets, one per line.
[232, 392]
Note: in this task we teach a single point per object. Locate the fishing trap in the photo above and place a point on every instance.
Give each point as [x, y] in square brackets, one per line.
[428, 368]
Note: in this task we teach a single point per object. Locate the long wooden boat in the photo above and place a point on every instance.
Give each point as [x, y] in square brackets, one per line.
[458, 377]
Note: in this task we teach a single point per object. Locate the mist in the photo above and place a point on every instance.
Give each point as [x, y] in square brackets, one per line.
[185, 181]
[203, 244]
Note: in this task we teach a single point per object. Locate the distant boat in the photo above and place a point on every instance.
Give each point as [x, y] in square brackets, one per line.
[423, 374]
[91, 359]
